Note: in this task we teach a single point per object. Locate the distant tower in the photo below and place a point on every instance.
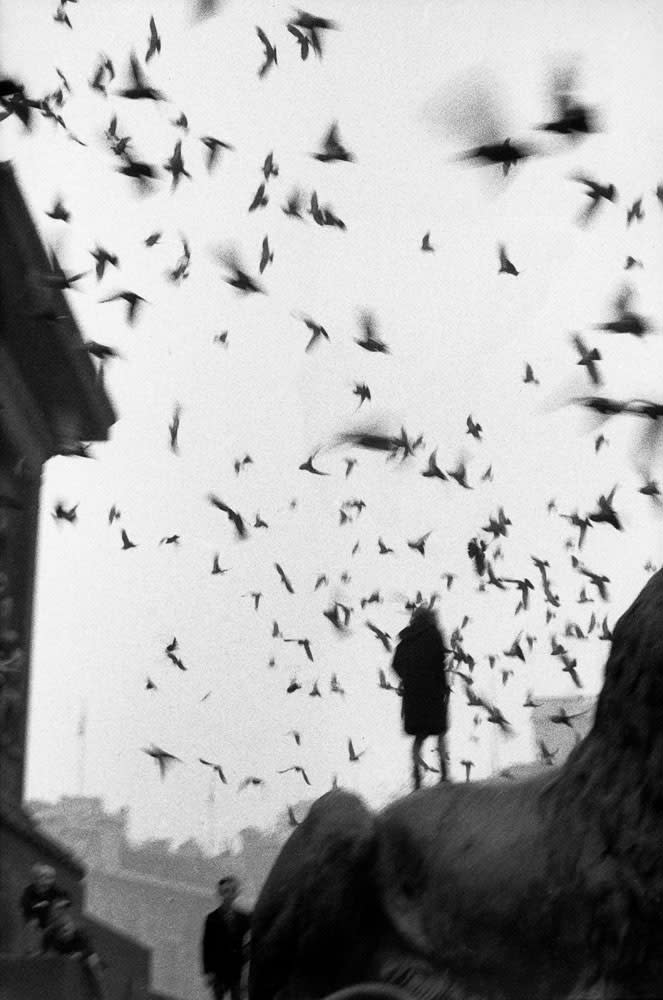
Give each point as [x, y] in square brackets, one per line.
[82, 748]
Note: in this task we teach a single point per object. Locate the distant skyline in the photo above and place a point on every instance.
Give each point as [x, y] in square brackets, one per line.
[459, 337]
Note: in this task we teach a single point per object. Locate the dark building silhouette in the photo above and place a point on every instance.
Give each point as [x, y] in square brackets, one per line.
[51, 400]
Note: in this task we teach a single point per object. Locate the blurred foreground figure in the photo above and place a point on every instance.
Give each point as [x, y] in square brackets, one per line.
[419, 662]
[37, 904]
[224, 953]
[63, 937]
[545, 887]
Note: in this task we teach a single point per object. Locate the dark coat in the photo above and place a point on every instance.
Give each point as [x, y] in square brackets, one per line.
[223, 941]
[419, 662]
[37, 905]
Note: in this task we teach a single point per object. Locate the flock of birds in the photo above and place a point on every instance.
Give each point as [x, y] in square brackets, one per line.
[572, 121]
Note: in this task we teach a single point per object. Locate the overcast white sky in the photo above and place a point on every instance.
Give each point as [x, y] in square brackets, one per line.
[459, 336]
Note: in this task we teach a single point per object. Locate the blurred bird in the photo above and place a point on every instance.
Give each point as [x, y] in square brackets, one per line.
[214, 147]
[284, 579]
[126, 541]
[596, 193]
[529, 375]
[260, 199]
[419, 544]
[298, 769]
[572, 119]
[505, 153]
[473, 428]
[635, 212]
[293, 206]
[174, 165]
[133, 301]
[370, 340]
[506, 267]
[384, 637]
[59, 212]
[173, 429]
[302, 40]
[139, 89]
[233, 515]
[266, 256]
[103, 257]
[426, 244]
[562, 718]
[308, 466]
[332, 148]
[270, 53]
[216, 768]
[240, 279]
[154, 42]
[627, 321]
[164, 759]
[606, 512]
[216, 568]
[362, 391]
[352, 755]
[251, 781]
[60, 513]
[588, 358]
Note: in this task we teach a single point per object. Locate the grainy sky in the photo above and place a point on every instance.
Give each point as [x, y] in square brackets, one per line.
[394, 76]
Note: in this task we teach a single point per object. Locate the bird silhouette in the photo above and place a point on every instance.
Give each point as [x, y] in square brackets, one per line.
[270, 53]
[572, 119]
[59, 212]
[260, 198]
[419, 544]
[133, 301]
[308, 466]
[164, 759]
[174, 165]
[216, 768]
[506, 267]
[139, 88]
[266, 256]
[126, 541]
[627, 321]
[102, 258]
[353, 756]
[216, 568]
[299, 769]
[384, 637]
[432, 470]
[154, 41]
[250, 782]
[597, 193]
[233, 515]
[606, 512]
[240, 279]
[426, 245]
[284, 579]
[332, 148]
[61, 513]
[214, 147]
[528, 377]
[293, 206]
[370, 341]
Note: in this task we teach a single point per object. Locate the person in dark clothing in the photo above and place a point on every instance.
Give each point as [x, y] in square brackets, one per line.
[419, 662]
[37, 902]
[63, 937]
[224, 942]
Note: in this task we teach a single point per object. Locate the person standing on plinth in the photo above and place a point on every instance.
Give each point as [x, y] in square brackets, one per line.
[419, 663]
